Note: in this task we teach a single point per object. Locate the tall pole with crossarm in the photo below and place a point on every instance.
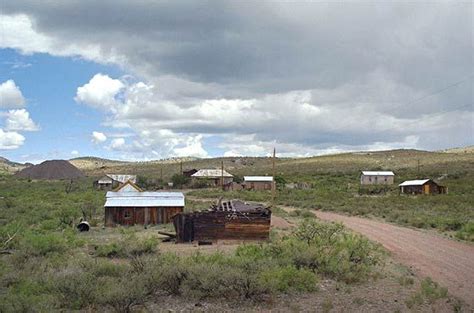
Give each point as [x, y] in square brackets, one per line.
[273, 174]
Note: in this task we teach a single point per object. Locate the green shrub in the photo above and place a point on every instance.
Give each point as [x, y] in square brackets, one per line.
[123, 294]
[288, 279]
[43, 244]
[110, 250]
[128, 246]
[76, 290]
[432, 290]
[466, 232]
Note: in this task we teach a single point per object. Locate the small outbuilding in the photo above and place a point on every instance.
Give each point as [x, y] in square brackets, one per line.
[213, 177]
[422, 186]
[112, 181]
[189, 173]
[231, 220]
[143, 207]
[377, 178]
[258, 182]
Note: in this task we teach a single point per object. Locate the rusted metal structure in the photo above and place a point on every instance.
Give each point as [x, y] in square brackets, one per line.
[232, 220]
[377, 178]
[422, 186]
[132, 207]
[258, 182]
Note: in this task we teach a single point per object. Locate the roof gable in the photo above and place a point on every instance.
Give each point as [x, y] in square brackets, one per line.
[128, 186]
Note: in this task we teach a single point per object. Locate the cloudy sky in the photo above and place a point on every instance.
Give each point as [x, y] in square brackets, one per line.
[145, 80]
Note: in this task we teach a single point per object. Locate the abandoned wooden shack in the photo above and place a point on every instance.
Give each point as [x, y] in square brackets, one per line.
[377, 178]
[143, 207]
[213, 177]
[232, 220]
[258, 182]
[112, 181]
[422, 186]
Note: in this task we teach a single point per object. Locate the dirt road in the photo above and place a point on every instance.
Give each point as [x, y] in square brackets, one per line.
[448, 262]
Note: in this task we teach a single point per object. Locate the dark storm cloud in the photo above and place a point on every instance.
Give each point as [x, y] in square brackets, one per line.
[365, 61]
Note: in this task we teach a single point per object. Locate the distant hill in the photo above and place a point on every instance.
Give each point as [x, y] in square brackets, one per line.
[54, 169]
[468, 149]
[94, 163]
[7, 166]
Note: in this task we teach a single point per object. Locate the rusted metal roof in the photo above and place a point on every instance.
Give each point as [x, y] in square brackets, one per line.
[258, 178]
[211, 173]
[378, 173]
[123, 178]
[144, 199]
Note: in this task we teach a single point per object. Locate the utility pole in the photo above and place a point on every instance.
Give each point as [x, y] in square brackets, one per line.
[418, 169]
[222, 175]
[181, 168]
[161, 173]
[273, 182]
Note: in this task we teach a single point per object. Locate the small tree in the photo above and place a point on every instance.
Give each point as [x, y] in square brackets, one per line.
[280, 181]
[179, 180]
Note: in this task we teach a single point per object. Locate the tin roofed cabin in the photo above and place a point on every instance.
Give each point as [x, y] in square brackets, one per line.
[377, 178]
[258, 182]
[112, 181]
[422, 186]
[213, 177]
[143, 208]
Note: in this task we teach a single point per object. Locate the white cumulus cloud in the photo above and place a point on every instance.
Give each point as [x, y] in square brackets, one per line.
[100, 92]
[10, 95]
[10, 140]
[98, 137]
[117, 144]
[20, 120]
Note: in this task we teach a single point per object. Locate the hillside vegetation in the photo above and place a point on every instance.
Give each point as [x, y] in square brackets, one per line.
[47, 265]
[335, 184]
[335, 187]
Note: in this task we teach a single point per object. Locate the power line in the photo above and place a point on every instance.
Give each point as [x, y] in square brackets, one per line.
[441, 90]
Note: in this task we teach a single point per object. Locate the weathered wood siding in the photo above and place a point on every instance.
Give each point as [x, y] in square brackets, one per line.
[132, 216]
[376, 179]
[222, 226]
[261, 185]
[428, 188]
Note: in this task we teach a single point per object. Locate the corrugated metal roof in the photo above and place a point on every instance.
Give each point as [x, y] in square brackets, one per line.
[144, 199]
[211, 173]
[417, 182]
[105, 180]
[123, 178]
[258, 178]
[378, 173]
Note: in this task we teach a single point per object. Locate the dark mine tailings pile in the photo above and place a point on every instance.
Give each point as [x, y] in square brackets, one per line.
[55, 169]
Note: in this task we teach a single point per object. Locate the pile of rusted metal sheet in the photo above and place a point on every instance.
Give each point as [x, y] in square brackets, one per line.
[230, 220]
